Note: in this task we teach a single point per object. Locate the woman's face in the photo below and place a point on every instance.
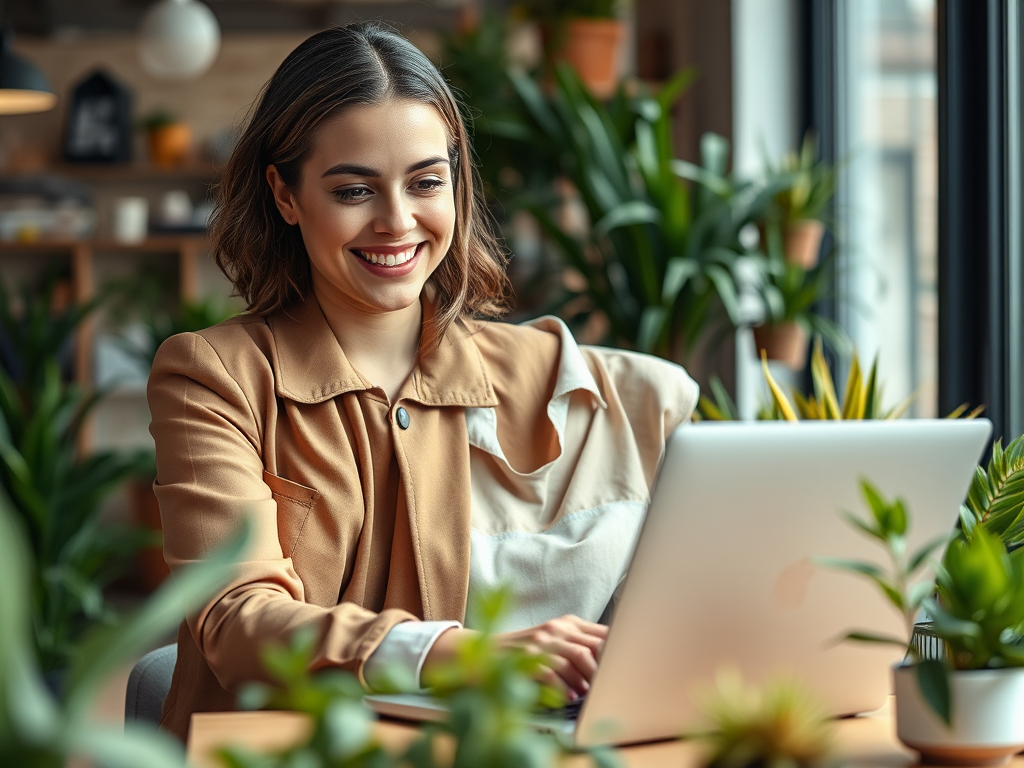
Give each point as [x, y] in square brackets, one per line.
[375, 205]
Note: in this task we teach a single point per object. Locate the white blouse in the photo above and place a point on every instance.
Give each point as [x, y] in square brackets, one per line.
[558, 537]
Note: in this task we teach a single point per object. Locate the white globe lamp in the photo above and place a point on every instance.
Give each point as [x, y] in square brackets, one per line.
[179, 39]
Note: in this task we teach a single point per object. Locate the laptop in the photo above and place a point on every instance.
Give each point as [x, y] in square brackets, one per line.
[722, 574]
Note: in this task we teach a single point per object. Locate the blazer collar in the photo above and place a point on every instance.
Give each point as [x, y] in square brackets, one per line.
[310, 366]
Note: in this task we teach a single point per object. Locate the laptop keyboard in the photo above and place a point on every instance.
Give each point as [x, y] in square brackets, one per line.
[570, 711]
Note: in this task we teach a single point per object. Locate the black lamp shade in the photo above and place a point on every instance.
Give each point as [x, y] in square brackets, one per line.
[23, 86]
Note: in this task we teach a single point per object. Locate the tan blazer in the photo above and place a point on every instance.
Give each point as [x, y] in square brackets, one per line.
[359, 523]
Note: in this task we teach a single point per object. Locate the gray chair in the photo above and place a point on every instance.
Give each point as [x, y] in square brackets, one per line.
[148, 684]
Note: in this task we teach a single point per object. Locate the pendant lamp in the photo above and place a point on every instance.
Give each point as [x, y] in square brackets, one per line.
[23, 86]
[179, 39]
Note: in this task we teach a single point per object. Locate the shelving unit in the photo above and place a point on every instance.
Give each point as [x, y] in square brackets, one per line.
[186, 249]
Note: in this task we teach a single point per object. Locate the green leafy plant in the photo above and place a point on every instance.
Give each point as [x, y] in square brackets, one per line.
[476, 63]
[39, 731]
[904, 584]
[791, 293]
[995, 500]
[490, 694]
[977, 609]
[158, 118]
[547, 10]
[778, 725]
[144, 299]
[55, 487]
[657, 258]
[803, 183]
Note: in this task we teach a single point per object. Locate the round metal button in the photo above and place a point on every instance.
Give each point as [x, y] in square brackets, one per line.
[402, 416]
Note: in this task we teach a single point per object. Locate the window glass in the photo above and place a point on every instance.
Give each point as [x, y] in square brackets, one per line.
[886, 205]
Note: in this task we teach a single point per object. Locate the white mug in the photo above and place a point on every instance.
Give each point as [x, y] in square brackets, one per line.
[130, 225]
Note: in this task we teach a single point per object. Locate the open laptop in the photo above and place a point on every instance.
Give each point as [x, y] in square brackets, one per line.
[722, 573]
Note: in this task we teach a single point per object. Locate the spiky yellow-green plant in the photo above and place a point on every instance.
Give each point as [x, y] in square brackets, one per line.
[862, 397]
[778, 725]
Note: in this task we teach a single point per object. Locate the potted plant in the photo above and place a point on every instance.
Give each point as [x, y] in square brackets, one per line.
[966, 707]
[37, 728]
[54, 487]
[652, 265]
[776, 725]
[862, 399]
[169, 139]
[793, 220]
[585, 34]
[790, 294]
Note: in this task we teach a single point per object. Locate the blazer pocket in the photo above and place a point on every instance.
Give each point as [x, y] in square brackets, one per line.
[294, 503]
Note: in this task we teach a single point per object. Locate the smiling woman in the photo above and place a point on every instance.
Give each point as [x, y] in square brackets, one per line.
[394, 451]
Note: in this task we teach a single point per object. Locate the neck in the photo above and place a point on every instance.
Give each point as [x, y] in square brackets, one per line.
[382, 346]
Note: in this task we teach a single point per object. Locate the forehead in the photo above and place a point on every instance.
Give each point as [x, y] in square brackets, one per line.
[395, 130]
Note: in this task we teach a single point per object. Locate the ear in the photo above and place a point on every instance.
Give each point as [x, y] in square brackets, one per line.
[283, 197]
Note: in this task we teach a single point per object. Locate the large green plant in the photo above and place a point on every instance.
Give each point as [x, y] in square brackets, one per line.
[658, 256]
[55, 487]
[37, 730]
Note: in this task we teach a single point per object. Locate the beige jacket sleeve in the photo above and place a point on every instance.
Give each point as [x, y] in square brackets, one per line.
[209, 429]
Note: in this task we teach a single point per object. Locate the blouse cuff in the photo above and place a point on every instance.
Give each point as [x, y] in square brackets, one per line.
[403, 650]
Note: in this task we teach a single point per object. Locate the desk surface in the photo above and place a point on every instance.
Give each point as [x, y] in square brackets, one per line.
[864, 741]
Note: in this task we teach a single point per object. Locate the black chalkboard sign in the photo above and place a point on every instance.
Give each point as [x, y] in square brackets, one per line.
[99, 126]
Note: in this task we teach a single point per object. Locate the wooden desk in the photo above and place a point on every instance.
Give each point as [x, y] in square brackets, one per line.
[865, 741]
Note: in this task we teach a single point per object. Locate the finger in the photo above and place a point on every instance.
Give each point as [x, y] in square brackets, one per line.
[546, 675]
[570, 676]
[591, 642]
[588, 627]
[579, 656]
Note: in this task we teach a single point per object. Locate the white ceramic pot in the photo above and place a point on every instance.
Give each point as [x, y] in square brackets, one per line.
[988, 717]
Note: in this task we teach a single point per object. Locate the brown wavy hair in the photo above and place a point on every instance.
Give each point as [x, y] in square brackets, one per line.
[357, 64]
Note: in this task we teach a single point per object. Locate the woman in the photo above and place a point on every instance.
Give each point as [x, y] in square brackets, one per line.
[393, 453]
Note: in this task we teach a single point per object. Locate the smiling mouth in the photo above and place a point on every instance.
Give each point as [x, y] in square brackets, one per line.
[387, 259]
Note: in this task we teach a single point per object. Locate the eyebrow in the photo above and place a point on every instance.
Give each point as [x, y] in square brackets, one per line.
[350, 169]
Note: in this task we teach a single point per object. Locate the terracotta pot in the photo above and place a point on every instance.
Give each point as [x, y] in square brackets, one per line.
[170, 145]
[802, 242]
[783, 342]
[988, 717]
[146, 510]
[593, 48]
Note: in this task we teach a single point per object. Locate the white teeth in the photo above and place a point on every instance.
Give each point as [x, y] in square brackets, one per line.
[390, 260]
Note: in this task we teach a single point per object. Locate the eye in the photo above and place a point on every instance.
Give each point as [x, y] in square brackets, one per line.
[352, 194]
[429, 184]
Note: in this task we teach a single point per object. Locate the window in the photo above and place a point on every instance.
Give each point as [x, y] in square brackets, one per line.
[886, 208]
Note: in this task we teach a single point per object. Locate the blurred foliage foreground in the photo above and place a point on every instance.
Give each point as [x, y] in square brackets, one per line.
[491, 694]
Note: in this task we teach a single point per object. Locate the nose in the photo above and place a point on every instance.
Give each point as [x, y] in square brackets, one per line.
[394, 215]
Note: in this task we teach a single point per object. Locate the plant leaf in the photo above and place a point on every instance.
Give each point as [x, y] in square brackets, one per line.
[933, 682]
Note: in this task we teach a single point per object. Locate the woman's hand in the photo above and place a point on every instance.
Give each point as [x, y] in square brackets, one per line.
[571, 646]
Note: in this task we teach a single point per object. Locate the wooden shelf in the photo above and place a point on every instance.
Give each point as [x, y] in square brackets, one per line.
[185, 248]
[204, 172]
[170, 243]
